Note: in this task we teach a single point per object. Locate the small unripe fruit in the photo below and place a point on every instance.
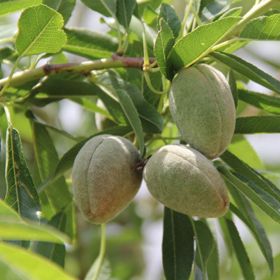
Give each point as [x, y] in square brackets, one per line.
[105, 177]
[203, 109]
[186, 181]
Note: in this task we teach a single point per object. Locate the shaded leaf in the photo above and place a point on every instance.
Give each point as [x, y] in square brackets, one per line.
[262, 28]
[198, 43]
[8, 6]
[170, 17]
[133, 117]
[233, 88]
[125, 9]
[270, 104]
[257, 124]
[16, 262]
[104, 274]
[163, 45]
[177, 246]
[240, 251]
[21, 193]
[248, 70]
[64, 7]
[89, 44]
[104, 7]
[57, 194]
[40, 31]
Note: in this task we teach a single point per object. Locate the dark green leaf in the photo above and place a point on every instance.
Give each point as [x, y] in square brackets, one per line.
[270, 104]
[262, 199]
[258, 124]
[250, 174]
[246, 213]
[104, 7]
[233, 88]
[170, 17]
[205, 245]
[44, 28]
[64, 7]
[56, 195]
[248, 70]
[213, 263]
[89, 44]
[21, 194]
[133, 117]
[262, 28]
[177, 246]
[163, 45]
[5, 52]
[198, 43]
[125, 9]
[240, 251]
[8, 6]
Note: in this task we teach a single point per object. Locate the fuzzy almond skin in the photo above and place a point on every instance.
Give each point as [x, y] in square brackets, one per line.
[105, 178]
[203, 109]
[186, 181]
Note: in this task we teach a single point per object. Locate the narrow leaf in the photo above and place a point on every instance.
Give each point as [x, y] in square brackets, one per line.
[233, 88]
[133, 117]
[198, 43]
[57, 193]
[89, 44]
[105, 7]
[40, 31]
[170, 17]
[262, 199]
[248, 70]
[268, 103]
[258, 124]
[125, 9]
[64, 7]
[250, 174]
[21, 194]
[262, 28]
[8, 6]
[240, 251]
[163, 45]
[177, 246]
[16, 262]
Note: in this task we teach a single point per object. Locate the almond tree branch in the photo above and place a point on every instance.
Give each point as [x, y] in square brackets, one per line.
[84, 68]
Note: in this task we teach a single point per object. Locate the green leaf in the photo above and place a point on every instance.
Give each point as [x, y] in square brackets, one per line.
[40, 31]
[242, 149]
[233, 88]
[20, 264]
[250, 174]
[21, 194]
[177, 246]
[125, 9]
[262, 199]
[163, 45]
[170, 17]
[213, 263]
[257, 124]
[246, 213]
[104, 274]
[133, 117]
[248, 70]
[12, 227]
[268, 103]
[64, 7]
[240, 251]
[57, 193]
[10, 6]
[198, 43]
[205, 245]
[89, 44]
[262, 28]
[68, 158]
[5, 53]
[52, 251]
[104, 7]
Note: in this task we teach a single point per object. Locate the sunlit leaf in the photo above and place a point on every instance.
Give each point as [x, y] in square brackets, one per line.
[8, 6]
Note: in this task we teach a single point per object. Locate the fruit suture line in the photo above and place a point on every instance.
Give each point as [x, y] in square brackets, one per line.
[116, 61]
